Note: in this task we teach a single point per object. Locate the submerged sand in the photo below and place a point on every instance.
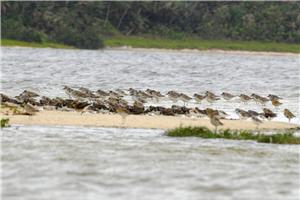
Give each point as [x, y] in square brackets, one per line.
[136, 121]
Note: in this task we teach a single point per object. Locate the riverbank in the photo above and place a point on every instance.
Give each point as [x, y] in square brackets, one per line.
[14, 43]
[136, 121]
[175, 45]
[203, 45]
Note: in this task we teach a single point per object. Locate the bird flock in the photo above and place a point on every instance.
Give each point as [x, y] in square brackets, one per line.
[134, 101]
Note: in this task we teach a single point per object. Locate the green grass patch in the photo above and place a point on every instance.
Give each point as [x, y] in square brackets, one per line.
[7, 42]
[192, 43]
[160, 43]
[203, 132]
[4, 122]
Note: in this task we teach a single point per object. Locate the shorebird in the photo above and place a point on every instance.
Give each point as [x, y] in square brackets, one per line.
[215, 122]
[276, 103]
[288, 114]
[222, 114]
[29, 94]
[193, 112]
[68, 91]
[198, 97]
[114, 94]
[140, 99]
[242, 113]
[79, 105]
[102, 93]
[157, 93]
[256, 121]
[154, 94]
[272, 96]
[87, 92]
[74, 93]
[143, 94]
[245, 98]
[208, 93]
[138, 104]
[227, 96]
[269, 114]
[173, 96]
[123, 112]
[150, 92]
[88, 108]
[185, 98]
[45, 101]
[121, 92]
[181, 110]
[201, 112]
[132, 91]
[167, 111]
[253, 113]
[137, 108]
[262, 100]
[5, 98]
[211, 112]
[30, 109]
[259, 99]
[211, 98]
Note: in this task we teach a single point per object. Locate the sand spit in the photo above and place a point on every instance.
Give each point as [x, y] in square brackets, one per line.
[135, 121]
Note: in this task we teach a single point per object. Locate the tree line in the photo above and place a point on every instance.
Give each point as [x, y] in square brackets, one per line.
[86, 24]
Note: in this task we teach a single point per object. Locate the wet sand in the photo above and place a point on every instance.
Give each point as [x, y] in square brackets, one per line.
[136, 121]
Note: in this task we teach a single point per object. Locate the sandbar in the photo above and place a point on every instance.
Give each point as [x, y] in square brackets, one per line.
[136, 121]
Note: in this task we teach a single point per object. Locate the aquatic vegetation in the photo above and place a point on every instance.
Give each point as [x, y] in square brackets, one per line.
[203, 132]
[4, 122]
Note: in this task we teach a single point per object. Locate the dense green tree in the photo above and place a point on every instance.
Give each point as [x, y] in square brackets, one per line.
[84, 24]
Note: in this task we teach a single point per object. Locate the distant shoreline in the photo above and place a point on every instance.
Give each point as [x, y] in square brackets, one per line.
[194, 45]
[189, 46]
[17, 43]
[129, 48]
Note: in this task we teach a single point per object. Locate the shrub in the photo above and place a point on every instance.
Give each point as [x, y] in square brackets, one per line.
[13, 29]
[87, 39]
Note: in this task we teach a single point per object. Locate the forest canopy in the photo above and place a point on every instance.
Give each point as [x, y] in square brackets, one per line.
[87, 24]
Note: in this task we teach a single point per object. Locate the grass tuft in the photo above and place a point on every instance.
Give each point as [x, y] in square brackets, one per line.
[4, 122]
[203, 132]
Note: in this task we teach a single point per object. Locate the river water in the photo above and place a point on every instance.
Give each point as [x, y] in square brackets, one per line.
[102, 163]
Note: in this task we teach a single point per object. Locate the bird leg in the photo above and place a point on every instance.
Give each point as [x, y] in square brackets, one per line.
[123, 119]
